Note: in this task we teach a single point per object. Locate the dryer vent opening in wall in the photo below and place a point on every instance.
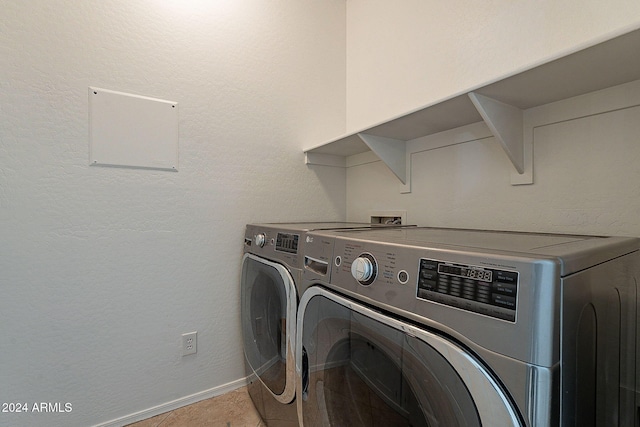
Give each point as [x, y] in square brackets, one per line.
[389, 217]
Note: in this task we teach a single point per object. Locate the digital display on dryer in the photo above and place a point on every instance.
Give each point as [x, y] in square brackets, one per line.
[286, 242]
[462, 271]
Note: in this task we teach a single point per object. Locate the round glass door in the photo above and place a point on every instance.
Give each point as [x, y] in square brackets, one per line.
[360, 368]
[268, 324]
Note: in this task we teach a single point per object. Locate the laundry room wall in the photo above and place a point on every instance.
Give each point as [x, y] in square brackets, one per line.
[404, 55]
[103, 268]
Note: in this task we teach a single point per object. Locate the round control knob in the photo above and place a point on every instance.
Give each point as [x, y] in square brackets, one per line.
[364, 269]
[260, 239]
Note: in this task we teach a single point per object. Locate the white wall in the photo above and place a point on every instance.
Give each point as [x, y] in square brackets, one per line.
[102, 269]
[586, 170]
[405, 54]
[413, 53]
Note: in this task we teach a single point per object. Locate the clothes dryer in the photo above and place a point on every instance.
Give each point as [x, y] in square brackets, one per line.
[426, 327]
[271, 272]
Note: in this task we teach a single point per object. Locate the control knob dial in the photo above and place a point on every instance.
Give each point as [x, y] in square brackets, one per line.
[364, 269]
[260, 239]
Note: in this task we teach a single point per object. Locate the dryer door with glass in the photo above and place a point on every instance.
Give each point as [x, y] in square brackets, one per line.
[268, 324]
[358, 367]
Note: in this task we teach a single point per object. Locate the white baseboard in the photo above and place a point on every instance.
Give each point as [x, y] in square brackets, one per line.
[174, 404]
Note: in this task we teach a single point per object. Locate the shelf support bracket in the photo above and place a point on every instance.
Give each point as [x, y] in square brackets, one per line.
[506, 124]
[391, 151]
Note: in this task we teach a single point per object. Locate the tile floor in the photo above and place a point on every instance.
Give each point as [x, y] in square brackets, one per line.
[233, 409]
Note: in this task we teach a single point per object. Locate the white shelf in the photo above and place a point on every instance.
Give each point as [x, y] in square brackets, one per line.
[500, 104]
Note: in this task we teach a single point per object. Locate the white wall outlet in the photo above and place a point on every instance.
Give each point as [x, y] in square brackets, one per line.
[189, 343]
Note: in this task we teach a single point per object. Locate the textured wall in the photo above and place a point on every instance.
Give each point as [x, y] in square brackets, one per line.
[403, 55]
[586, 169]
[102, 269]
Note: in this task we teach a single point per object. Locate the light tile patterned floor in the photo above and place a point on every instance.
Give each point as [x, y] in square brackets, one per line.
[233, 409]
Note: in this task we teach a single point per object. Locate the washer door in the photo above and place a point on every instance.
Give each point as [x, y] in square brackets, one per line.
[268, 324]
[358, 367]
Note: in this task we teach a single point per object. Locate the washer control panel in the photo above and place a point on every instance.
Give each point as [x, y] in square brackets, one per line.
[275, 244]
[482, 290]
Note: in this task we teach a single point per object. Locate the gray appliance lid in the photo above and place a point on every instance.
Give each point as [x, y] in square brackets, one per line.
[321, 225]
[574, 252]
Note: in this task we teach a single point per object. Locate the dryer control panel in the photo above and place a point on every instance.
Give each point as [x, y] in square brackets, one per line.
[479, 289]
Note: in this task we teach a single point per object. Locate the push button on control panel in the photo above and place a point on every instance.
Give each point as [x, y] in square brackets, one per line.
[507, 276]
[504, 301]
[505, 288]
[403, 277]
[429, 274]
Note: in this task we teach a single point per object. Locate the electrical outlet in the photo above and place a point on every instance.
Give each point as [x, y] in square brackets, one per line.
[189, 343]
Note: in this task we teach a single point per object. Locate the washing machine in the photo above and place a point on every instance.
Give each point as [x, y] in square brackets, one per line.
[445, 327]
[271, 273]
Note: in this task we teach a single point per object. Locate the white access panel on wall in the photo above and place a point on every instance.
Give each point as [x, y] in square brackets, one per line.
[132, 131]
